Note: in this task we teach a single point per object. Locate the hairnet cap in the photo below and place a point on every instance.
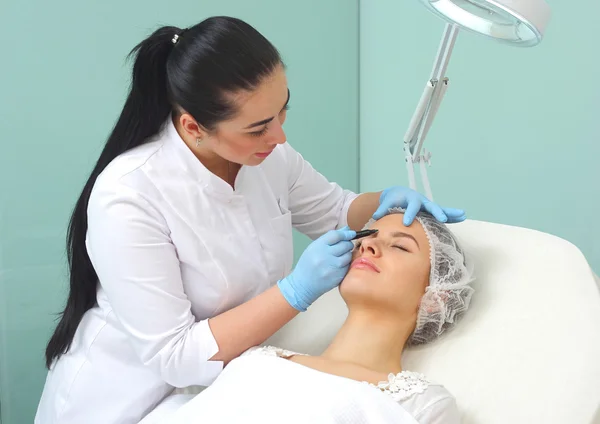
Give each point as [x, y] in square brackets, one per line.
[448, 293]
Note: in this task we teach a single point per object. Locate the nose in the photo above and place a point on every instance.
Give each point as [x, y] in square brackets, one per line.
[370, 247]
[277, 133]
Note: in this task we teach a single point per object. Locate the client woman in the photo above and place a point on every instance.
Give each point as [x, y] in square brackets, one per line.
[406, 285]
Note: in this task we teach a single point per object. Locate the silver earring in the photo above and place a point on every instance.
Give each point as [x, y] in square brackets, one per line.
[198, 141]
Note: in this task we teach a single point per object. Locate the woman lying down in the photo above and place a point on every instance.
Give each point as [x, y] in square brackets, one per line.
[406, 286]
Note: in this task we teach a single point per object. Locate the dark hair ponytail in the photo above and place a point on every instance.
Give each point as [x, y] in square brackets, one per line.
[192, 72]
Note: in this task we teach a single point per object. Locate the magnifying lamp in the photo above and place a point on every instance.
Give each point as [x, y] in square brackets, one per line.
[519, 23]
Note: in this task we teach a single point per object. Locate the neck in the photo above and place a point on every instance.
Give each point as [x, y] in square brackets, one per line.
[216, 164]
[371, 340]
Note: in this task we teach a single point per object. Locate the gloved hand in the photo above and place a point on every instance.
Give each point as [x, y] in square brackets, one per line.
[413, 202]
[322, 266]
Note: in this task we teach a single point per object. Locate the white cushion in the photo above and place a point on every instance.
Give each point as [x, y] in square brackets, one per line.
[527, 351]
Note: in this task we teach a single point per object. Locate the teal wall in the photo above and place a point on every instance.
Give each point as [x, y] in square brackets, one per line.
[62, 82]
[516, 140]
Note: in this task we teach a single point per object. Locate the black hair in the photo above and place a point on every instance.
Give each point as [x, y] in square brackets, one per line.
[175, 70]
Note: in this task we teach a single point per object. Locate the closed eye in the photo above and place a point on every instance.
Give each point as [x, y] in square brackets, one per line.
[264, 130]
[358, 244]
[259, 133]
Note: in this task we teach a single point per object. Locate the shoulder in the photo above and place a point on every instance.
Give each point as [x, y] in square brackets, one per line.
[269, 351]
[281, 168]
[283, 159]
[428, 402]
[124, 182]
[286, 151]
[435, 404]
[437, 393]
[126, 168]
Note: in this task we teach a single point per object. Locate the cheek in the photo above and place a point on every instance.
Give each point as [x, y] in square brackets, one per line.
[247, 147]
[238, 147]
[398, 288]
[407, 284]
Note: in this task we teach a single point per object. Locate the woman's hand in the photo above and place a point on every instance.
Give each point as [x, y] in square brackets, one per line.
[322, 266]
[413, 202]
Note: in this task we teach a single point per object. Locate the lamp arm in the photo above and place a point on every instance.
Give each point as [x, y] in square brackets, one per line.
[428, 106]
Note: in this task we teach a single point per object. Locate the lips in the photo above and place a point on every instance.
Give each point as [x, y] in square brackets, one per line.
[264, 155]
[363, 263]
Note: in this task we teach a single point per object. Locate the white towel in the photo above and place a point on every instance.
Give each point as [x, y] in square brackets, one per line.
[263, 389]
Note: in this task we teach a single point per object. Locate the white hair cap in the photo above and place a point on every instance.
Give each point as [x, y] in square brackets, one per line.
[449, 292]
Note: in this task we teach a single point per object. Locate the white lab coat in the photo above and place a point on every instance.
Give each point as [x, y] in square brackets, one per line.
[262, 387]
[174, 245]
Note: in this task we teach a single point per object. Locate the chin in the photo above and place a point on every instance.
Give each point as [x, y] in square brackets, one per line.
[356, 288]
[361, 290]
[252, 161]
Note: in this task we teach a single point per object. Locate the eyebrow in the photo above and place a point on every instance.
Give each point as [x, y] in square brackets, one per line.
[266, 121]
[405, 235]
[400, 234]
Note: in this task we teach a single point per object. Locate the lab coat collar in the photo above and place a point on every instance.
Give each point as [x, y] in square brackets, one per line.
[194, 167]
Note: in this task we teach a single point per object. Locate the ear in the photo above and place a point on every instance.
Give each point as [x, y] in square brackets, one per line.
[434, 302]
[190, 126]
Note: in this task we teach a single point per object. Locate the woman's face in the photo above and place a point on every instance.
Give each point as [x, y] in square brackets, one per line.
[257, 128]
[390, 269]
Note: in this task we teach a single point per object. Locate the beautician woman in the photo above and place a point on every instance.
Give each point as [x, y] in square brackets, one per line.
[180, 245]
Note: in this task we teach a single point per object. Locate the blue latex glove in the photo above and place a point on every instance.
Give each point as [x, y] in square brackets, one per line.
[322, 266]
[413, 202]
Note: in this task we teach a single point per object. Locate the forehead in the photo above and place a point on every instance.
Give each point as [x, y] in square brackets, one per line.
[265, 101]
[393, 222]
